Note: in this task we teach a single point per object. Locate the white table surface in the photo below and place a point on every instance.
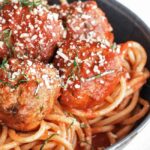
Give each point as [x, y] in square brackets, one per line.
[142, 9]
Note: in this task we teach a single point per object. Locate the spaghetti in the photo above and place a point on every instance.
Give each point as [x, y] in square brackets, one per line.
[65, 129]
[70, 128]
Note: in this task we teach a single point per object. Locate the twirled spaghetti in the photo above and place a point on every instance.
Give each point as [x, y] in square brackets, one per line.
[67, 128]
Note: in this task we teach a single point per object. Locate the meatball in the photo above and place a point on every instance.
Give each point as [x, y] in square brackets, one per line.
[62, 10]
[90, 72]
[28, 90]
[33, 31]
[85, 21]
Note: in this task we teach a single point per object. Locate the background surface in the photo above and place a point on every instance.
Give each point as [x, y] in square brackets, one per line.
[139, 7]
[142, 9]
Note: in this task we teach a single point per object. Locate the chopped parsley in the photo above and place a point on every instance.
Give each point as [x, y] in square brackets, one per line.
[4, 2]
[100, 75]
[75, 63]
[71, 76]
[94, 77]
[47, 140]
[97, 76]
[76, 67]
[114, 46]
[14, 86]
[83, 125]
[71, 124]
[3, 64]
[7, 83]
[29, 3]
[37, 97]
[22, 81]
[7, 37]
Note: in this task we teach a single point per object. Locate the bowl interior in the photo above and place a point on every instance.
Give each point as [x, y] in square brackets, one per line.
[127, 26]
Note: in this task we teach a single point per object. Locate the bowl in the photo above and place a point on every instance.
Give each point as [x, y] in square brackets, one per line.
[127, 26]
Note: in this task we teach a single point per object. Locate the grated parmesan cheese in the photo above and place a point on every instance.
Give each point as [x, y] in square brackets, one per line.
[62, 55]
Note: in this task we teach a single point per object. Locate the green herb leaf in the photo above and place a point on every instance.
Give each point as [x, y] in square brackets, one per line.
[4, 63]
[114, 46]
[101, 75]
[47, 140]
[41, 108]
[36, 3]
[94, 77]
[22, 81]
[75, 63]
[97, 76]
[70, 125]
[69, 78]
[25, 76]
[13, 86]
[29, 3]
[5, 2]
[7, 37]
[7, 83]
[72, 74]
[83, 125]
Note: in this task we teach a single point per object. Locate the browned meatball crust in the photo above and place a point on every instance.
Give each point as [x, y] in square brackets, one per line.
[85, 21]
[33, 32]
[90, 72]
[28, 90]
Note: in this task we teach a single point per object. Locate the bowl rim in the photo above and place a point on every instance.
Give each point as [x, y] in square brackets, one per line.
[128, 13]
[146, 31]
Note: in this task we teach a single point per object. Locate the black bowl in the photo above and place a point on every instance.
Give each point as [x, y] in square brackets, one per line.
[127, 26]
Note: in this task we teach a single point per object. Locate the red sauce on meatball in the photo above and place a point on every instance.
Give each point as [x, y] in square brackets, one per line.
[90, 72]
[85, 21]
[34, 31]
[28, 90]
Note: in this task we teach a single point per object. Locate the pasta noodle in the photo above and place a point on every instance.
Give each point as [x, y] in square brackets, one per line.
[69, 128]
[64, 129]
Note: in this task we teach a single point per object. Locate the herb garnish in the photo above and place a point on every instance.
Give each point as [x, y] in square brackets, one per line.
[5, 2]
[29, 3]
[83, 125]
[7, 83]
[94, 77]
[41, 108]
[100, 75]
[76, 67]
[14, 86]
[3, 64]
[22, 81]
[75, 62]
[71, 76]
[114, 46]
[7, 37]
[47, 140]
[71, 124]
